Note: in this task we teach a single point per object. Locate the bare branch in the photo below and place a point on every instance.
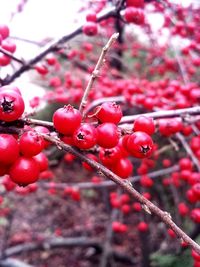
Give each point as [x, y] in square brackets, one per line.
[96, 71]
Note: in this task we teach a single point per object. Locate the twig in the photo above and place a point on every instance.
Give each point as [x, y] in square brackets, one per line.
[164, 114]
[3, 51]
[96, 71]
[90, 185]
[189, 151]
[51, 48]
[127, 186]
[109, 234]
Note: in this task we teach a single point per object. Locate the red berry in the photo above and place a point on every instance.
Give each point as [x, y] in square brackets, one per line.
[24, 171]
[90, 28]
[195, 215]
[109, 112]
[4, 31]
[85, 136]
[42, 161]
[142, 227]
[31, 144]
[11, 105]
[144, 124]
[123, 168]
[135, 3]
[91, 17]
[140, 145]
[107, 135]
[9, 149]
[66, 120]
[109, 156]
[134, 15]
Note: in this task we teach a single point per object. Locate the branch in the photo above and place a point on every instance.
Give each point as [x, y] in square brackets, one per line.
[13, 263]
[3, 51]
[164, 114]
[52, 48]
[90, 185]
[96, 71]
[127, 186]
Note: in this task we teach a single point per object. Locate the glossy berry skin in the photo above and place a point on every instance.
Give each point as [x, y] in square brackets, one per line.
[66, 120]
[195, 255]
[110, 156]
[85, 136]
[109, 112]
[42, 161]
[107, 135]
[9, 149]
[24, 171]
[31, 144]
[123, 168]
[11, 105]
[134, 15]
[90, 28]
[140, 145]
[144, 124]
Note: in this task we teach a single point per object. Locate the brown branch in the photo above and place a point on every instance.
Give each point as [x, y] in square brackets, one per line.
[52, 48]
[6, 53]
[90, 185]
[96, 71]
[164, 114]
[127, 186]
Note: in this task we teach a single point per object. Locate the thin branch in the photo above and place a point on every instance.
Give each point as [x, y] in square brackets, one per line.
[90, 185]
[127, 186]
[189, 151]
[96, 71]
[164, 114]
[109, 234]
[3, 51]
[52, 48]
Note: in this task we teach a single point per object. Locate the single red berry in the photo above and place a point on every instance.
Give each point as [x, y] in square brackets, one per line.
[85, 136]
[41, 69]
[107, 135]
[144, 124]
[109, 112]
[134, 15]
[171, 233]
[9, 149]
[142, 227]
[183, 209]
[67, 119]
[137, 207]
[90, 28]
[109, 156]
[24, 171]
[8, 45]
[123, 168]
[146, 181]
[195, 215]
[42, 161]
[185, 164]
[11, 105]
[139, 145]
[195, 255]
[31, 144]
[92, 16]
[4, 31]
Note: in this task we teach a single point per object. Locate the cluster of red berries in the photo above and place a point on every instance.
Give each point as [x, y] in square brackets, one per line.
[5, 44]
[114, 149]
[134, 11]
[20, 157]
